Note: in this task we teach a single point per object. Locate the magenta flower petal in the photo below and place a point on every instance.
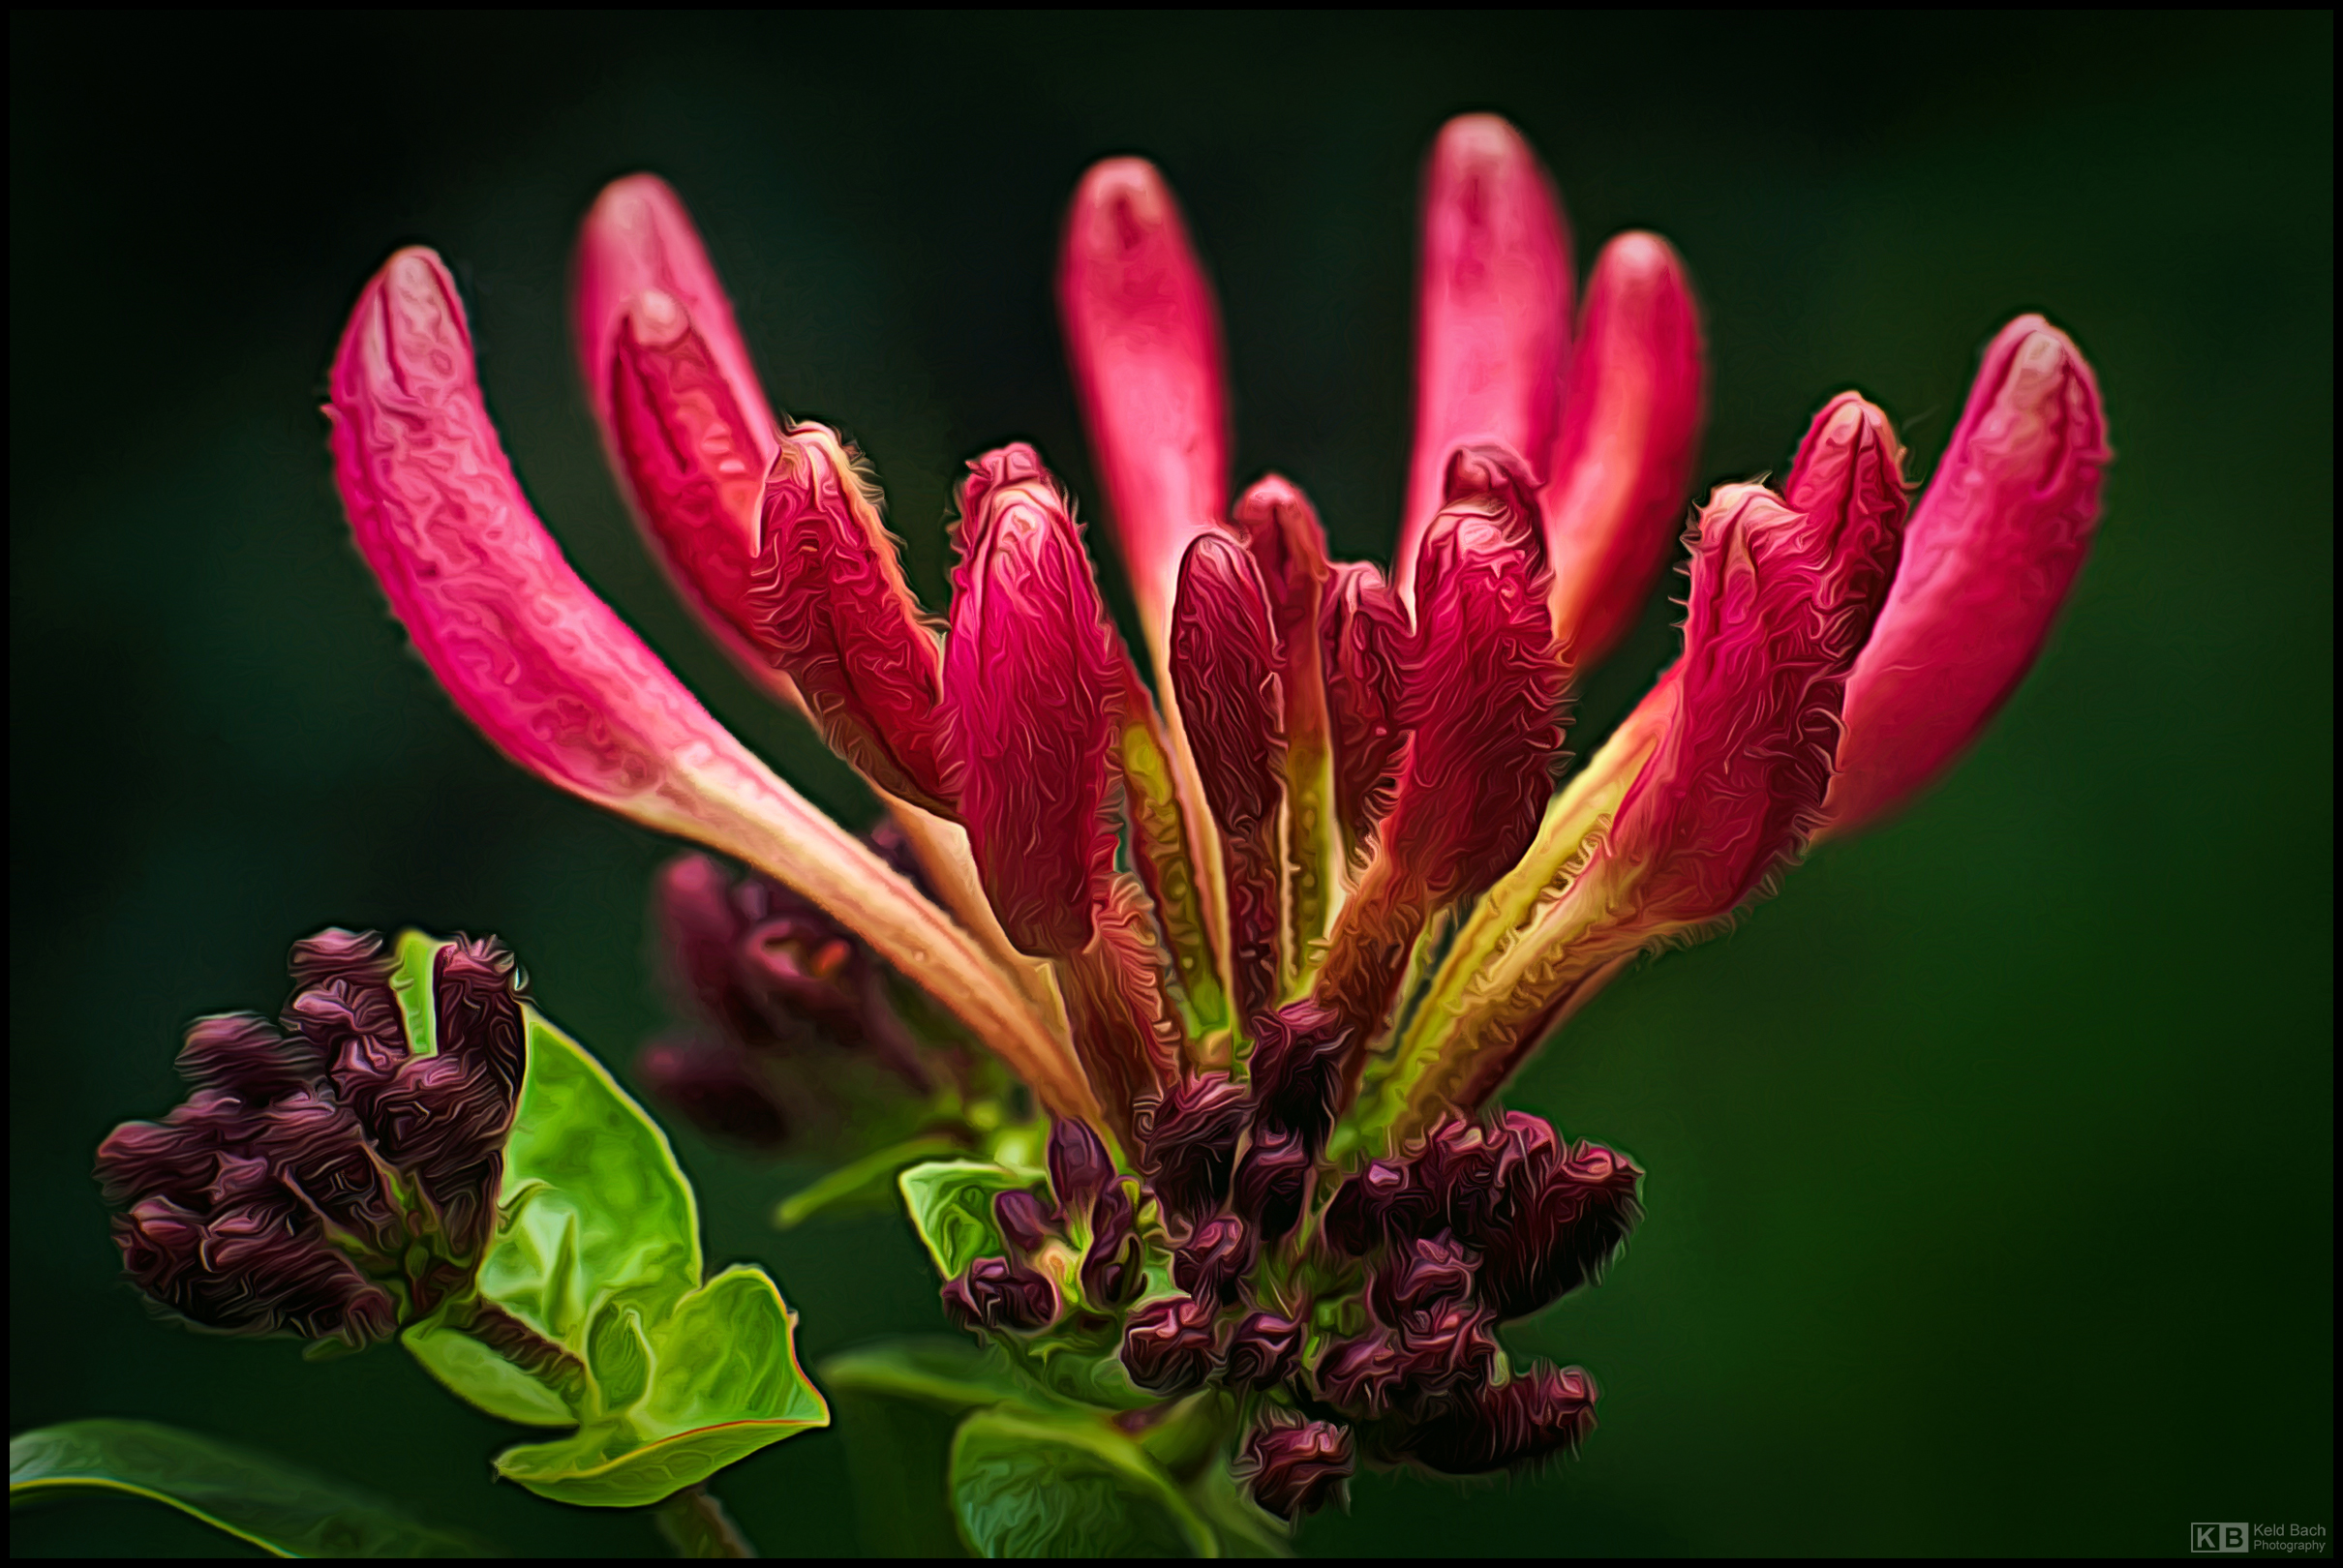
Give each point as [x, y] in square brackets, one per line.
[1364, 638]
[830, 606]
[1144, 338]
[561, 685]
[1992, 554]
[1492, 312]
[1631, 429]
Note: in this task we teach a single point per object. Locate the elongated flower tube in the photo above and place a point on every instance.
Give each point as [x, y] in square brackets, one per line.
[561, 685]
[1990, 555]
[1266, 941]
[1623, 458]
[1492, 313]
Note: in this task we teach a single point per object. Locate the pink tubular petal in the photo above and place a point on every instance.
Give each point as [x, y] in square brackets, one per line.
[1224, 664]
[1493, 312]
[1364, 641]
[1992, 552]
[1032, 674]
[829, 606]
[1144, 337]
[1631, 429]
[561, 685]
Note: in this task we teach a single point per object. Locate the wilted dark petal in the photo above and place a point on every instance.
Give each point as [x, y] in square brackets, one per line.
[1216, 1260]
[1168, 1346]
[717, 1086]
[1188, 1144]
[1273, 1182]
[1079, 1168]
[1001, 1296]
[1363, 1375]
[1023, 1224]
[479, 994]
[1364, 642]
[243, 1054]
[1543, 1411]
[1294, 1467]
[1264, 1350]
[1577, 1221]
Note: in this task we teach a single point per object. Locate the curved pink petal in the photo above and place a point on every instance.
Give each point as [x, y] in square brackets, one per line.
[1630, 430]
[1492, 312]
[1992, 552]
[1144, 337]
[561, 685]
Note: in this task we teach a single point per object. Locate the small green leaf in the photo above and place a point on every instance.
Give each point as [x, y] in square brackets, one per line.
[862, 1178]
[1024, 1485]
[410, 980]
[619, 1355]
[725, 1381]
[485, 1378]
[951, 1204]
[954, 1374]
[281, 1510]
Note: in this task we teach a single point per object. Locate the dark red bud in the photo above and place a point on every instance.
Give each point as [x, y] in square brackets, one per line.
[1570, 1230]
[1264, 1350]
[1443, 1346]
[1296, 1468]
[1188, 1144]
[1168, 1346]
[1272, 1180]
[1299, 1052]
[1543, 1411]
[718, 1086]
[1001, 1296]
[177, 1157]
[244, 1054]
[333, 953]
[1481, 1180]
[478, 991]
[1423, 1274]
[1216, 1261]
[1023, 1224]
[1080, 1169]
[1111, 1275]
[1362, 1375]
[1364, 642]
[317, 1151]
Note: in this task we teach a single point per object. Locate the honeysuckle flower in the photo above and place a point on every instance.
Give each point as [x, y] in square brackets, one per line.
[325, 1179]
[1267, 935]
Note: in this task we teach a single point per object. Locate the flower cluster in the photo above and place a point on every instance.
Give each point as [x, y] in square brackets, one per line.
[332, 1175]
[1267, 928]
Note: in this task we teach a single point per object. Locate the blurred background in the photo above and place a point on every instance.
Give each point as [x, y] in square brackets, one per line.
[1990, 1164]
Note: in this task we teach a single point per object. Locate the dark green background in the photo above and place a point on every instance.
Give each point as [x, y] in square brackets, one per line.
[1990, 1164]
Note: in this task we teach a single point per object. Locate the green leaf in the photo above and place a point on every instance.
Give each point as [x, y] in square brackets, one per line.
[723, 1382]
[281, 1510]
[1245, 1528]
[862, 1178]
[595, 1217]
[1026, 1485]
[410, 980]
[952, 1374]
[951, 1204]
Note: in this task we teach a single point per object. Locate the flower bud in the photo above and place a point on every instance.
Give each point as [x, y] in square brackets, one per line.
[1226, 669]
[1113, 1271]
[1623, 458]
[718, 1085]
[1001, 1296]
[1291, 1467]
[1031, 673]
[1217, 1259]
[1363, 1376]
[1168, 1346]
[1422, 1275]
[242, 1054]
[1565, 1235]
[1383, 1201]
[1272, 1180]
[1020, 1218]
[1365, 642]
[1188, 1144]
[1480, 1179]
[1992, 553]
[317, 1148]
[829, 605]
[1443, 1346]
[1299, 1052]
[1492, 311]
[1543, 1411]
[1264, 1350]
[1081, 1170]
[337, 955]
[1143, 336]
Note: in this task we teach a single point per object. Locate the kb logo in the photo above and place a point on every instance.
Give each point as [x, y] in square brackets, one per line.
[2218, 1538]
